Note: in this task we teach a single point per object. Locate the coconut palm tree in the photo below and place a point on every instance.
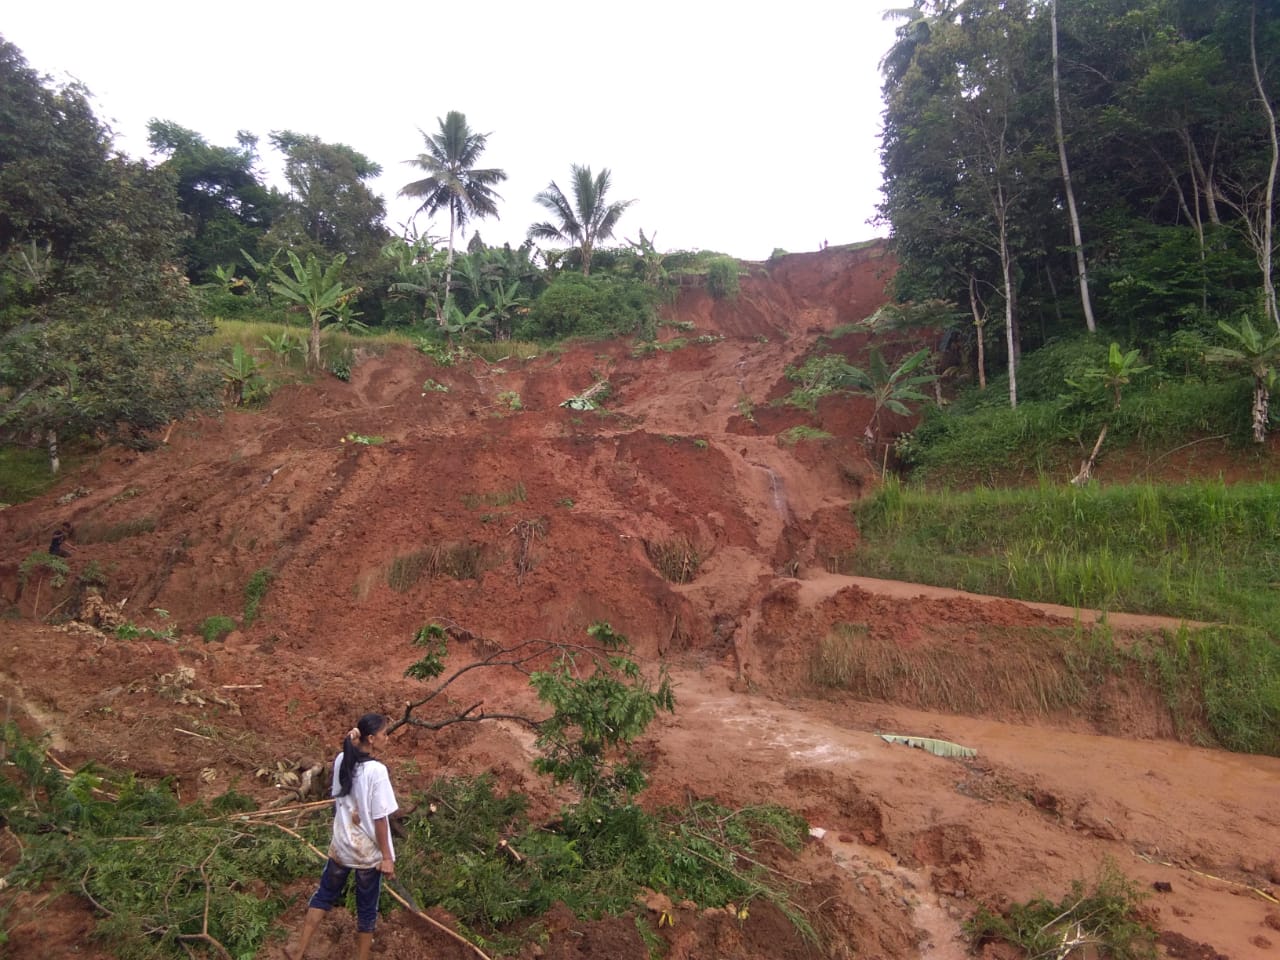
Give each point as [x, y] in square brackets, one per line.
[453, 181]
[584, 222]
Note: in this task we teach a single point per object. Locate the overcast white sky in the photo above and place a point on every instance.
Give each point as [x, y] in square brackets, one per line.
[737, 127]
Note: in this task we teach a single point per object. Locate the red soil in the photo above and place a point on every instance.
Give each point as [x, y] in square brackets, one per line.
[912, 843]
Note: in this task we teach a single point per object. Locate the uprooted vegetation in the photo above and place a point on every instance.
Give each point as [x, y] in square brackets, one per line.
[469, 848]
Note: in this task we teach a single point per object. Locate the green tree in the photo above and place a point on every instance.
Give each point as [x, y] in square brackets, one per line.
[586, 221]
[98, 331]
[454, 182]
[317, 289]
[219, 191]
[331, 209]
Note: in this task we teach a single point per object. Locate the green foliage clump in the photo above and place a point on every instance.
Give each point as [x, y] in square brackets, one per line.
[722, 278]
[41, 562]
[254, 593]
[1101, 920]
[117, 835]
[818, 376]
[215, 628]
[591, 306]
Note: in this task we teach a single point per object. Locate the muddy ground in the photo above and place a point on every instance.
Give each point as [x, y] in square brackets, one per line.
[565, 512]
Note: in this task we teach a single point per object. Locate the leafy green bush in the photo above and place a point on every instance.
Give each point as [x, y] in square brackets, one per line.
[722, 278]
[254, 593]
[574, 305]
[216, 628]
[40, 562]
[111, 837]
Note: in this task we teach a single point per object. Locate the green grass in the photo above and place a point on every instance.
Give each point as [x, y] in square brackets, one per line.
[114, 532]
[498, 498]
[979, 439]
[24, 473]
[459, 561]
[1204, 552]
[249, 333]
[793, 435]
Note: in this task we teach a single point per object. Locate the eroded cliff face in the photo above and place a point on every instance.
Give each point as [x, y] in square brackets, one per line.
[796, 294]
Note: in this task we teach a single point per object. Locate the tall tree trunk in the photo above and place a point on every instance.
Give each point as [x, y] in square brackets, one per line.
[442, 312]
[1082, 275]
[51, 442]
[1266, 228]
[979, 325]
[1204, 181]
[1006, 270]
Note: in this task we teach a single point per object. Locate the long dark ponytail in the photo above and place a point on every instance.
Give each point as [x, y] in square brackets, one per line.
[368, 725]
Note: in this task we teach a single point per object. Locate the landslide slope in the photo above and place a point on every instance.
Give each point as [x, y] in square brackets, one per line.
[534, 520]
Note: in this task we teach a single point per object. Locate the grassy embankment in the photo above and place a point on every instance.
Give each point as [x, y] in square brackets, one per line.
[1202, 551]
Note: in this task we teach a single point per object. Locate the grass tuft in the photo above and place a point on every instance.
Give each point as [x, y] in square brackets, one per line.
[461, 561]
[677, 560]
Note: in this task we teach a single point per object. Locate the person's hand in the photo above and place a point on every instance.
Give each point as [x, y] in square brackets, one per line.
[388, 869]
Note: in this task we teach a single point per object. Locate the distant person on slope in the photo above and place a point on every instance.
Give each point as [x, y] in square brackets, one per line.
[58, 545]
[361, 840]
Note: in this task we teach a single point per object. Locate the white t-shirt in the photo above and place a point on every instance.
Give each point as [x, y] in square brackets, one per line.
[355, 842]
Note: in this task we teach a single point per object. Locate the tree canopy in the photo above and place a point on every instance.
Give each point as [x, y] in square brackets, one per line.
[1167, 115]
[585, 221]
[98, 331]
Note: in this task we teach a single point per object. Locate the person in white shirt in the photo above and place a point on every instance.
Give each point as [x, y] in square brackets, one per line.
[361, 840]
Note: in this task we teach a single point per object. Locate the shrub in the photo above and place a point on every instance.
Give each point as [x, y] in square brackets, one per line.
[591, 306]
[216, 628]
[722, 278]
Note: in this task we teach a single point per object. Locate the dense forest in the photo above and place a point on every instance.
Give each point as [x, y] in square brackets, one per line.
[1096, 165]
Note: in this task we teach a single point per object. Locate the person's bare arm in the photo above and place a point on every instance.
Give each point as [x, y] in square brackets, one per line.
[382, 830]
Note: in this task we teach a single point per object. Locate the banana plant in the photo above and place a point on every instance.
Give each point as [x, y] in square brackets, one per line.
[1115, 373]
[282, 347]
[1257, 353]
[318, 289]
[241, 375]
[471, 325]
[889, 389]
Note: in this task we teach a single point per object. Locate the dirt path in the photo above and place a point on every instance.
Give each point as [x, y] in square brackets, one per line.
[1035, 810]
